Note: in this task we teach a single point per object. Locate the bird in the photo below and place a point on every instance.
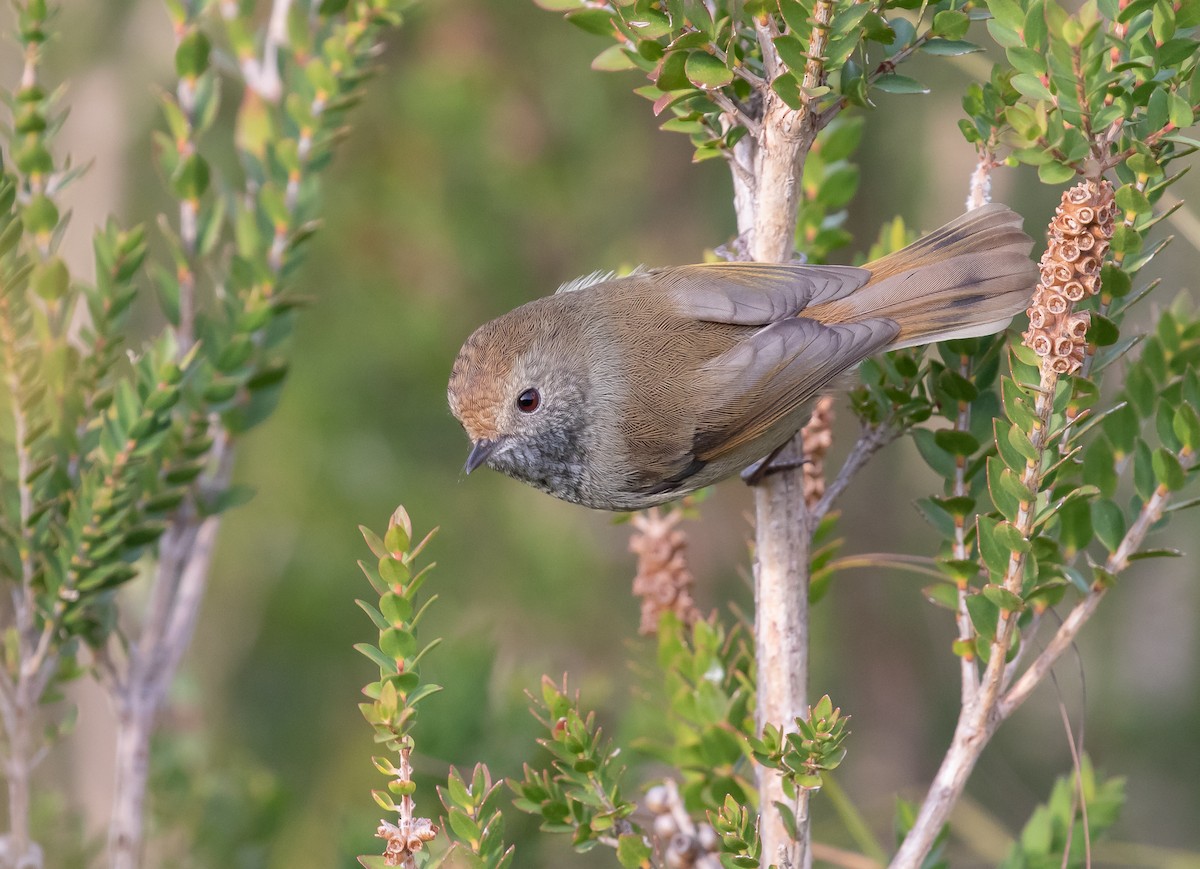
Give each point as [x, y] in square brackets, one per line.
[620, 393]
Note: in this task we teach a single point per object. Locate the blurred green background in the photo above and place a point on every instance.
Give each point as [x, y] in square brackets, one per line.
[487, 165]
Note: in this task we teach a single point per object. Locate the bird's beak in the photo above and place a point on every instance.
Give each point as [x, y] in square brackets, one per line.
[480, 450]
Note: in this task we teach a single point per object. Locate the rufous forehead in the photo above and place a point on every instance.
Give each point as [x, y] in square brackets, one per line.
[477, 384]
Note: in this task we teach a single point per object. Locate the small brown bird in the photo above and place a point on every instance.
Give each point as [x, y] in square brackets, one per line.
[622, 393]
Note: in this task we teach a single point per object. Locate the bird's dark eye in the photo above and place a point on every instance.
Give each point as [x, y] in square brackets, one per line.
[529, 401]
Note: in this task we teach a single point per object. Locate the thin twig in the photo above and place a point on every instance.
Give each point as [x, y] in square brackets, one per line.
[766, 30]
[871, 439]
[968, 671]
[1150, 513]
[873, 560]
[736, 112]
[830, 112]
[1078, 767]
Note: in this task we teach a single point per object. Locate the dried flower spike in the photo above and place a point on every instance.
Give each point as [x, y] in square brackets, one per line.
[1078, 239]
[409, 834]
[684, 843]
[663, 581]
[817, 438]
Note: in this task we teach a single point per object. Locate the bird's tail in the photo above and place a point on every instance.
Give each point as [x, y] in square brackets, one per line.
[968, 278]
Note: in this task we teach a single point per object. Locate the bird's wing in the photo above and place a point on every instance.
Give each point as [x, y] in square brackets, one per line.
[753, 294]
[752, 387]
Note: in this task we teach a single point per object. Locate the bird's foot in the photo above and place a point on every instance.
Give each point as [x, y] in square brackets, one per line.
[769, 465]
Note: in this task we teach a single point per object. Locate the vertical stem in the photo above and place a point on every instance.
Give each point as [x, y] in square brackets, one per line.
[767, 214]
[183, 568]
[766, 198]
[781, 637]
[134, 726]
[968, 669]
[979, 194]
[17, 770]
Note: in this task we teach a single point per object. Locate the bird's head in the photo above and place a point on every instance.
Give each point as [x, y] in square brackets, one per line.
[519, 387]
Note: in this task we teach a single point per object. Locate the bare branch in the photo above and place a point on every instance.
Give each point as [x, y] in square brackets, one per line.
[871, 439]
[736, 113]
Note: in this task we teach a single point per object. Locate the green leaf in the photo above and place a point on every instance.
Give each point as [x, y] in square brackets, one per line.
[40, 215]
[956, 386]
[957, 443]
[1187, 426]
[398, 537]
[649, 23]
[900, 84]
[1020, 442]
[936, 515]
[1126, 240]
[191, 57]
[995, 555]
[191, 178]
[633, 852]
[943, 594]
[1075, 524]
[936, 457]
[951, 24]
[705, 71]
[1129, 198]
[598, 21]
[393, 571]
[1055, 173]
[1155, 553]
[1102, 331]
[839, 140]
[1008, 13]
[1144, 481]
[671, 76]
[386, 665]
[615, 58]
[838, 187]
[1010, 537]
[1031, 86]
[466, 829]
[792, 52]
[50, 279]
[1027, 60]
[396, 608]
[1017, 404]
[950, 47]
[1099, 467]
[1180, 111]
[1109, 523]
[1122, 426]
[984, 614]
[1003, 598]
[397, 643]
[1167, 469]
